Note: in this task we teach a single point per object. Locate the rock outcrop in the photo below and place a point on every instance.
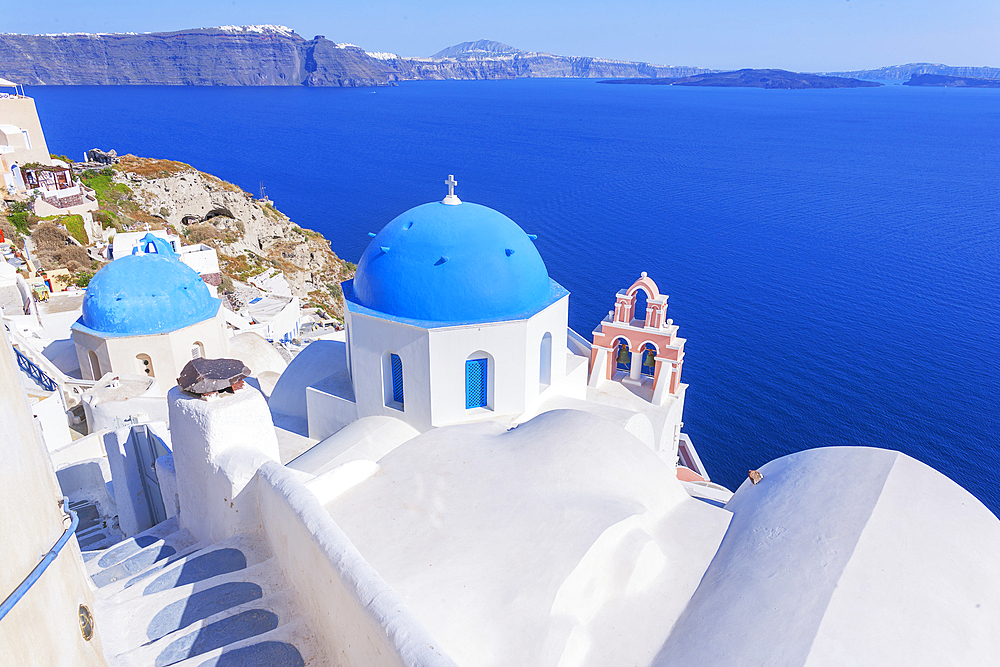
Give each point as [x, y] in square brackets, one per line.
[250, 235]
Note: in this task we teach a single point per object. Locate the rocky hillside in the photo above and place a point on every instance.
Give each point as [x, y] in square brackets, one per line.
[277, 56]
[249, 235]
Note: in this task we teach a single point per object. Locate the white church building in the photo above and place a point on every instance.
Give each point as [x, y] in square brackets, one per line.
[148, 314]
[452, 318]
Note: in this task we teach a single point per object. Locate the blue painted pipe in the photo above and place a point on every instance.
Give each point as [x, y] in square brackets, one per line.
[47, 559]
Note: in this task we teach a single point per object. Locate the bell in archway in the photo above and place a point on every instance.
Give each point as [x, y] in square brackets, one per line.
[623, 356]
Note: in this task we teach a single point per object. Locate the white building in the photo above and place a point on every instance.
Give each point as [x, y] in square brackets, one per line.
[21, 138]
[200, 257]
[452, 317]
[147, 314]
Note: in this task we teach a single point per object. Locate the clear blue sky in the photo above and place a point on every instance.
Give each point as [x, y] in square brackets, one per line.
[806, 35]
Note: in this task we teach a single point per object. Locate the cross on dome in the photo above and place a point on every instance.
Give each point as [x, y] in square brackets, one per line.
[451, 199]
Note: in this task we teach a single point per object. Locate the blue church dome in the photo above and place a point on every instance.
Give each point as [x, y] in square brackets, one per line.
[144, 294]
[452, 263]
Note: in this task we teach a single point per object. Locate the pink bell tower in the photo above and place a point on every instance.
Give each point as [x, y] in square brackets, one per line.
[639, 349]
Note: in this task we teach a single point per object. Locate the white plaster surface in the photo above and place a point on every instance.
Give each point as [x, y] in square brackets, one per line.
[846, 556]
[434, 359]
[318, 360]
[635, 423]
[169, 352]
[166, 476]
[330, 404]
[218, 445]
[359, 620]
[50, 413]
[367, 439]
[565, 541]
[134, 399]
[256, 353]
[43, 628]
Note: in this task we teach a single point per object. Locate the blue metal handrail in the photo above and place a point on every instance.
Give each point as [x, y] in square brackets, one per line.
[47, 559]
[34, 372]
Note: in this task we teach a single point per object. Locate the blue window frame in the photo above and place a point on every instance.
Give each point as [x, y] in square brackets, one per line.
[397, 378]
[476, 371]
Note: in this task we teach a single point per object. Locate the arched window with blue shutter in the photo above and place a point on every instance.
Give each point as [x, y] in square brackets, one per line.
[397, 378]
[392, 380]
[476, 383]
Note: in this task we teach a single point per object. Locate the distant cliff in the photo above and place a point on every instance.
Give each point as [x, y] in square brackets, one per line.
[485, 59]
[245, 56]
[904, 72]
[756, 78]
[276, 56]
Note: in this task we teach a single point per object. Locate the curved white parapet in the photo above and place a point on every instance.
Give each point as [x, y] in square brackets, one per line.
[847, 556]
[358, 617]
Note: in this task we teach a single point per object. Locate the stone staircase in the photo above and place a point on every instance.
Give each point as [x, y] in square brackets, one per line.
[94, 531]
[164, 599]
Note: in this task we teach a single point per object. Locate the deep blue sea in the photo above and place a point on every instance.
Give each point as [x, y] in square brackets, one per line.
[831, 256]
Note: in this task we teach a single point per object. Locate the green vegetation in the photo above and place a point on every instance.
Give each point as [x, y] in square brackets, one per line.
[242, 266]
[272, 212]
[108, 193]
[116, 201]
[74, 225]
[106, 218]
[227, 284]
[308, 233]
[335, 291]
[19, 219]
[82, 278]
[61, 157]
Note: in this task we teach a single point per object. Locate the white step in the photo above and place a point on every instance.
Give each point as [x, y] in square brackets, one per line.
[147, 618]
[280, 604]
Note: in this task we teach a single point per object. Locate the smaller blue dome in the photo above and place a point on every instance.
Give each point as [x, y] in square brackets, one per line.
[145, 294]
[452, 263]
[155, 245]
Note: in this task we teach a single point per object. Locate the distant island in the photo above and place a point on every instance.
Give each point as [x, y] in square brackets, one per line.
[755, 78]
[940, 80]
[904, 72]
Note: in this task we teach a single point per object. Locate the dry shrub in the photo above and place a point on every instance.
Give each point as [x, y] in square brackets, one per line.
[202, 232]
[55, 250]
[74, 258]
[151, 168]
[9, 233]
[49, 238]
